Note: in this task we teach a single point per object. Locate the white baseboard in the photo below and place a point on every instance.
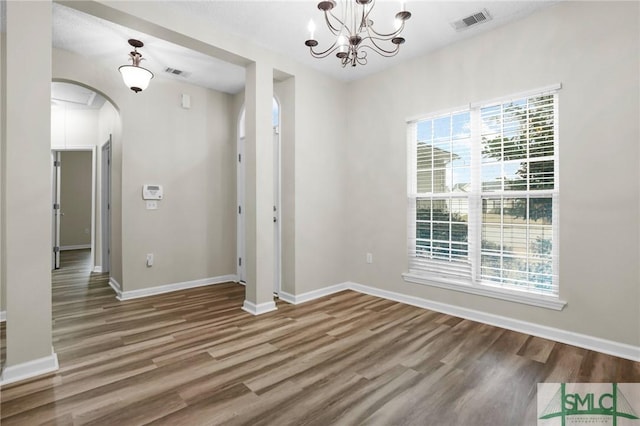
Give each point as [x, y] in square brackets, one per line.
[610, 347]
[75, 247]
[115, 285]
[3, 316]
[311, 295]
[27, 370]
[97, 269]
[152, 291]
[261, 308]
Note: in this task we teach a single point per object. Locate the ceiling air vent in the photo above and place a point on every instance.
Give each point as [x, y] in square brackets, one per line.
[475, 19]
[174, 71]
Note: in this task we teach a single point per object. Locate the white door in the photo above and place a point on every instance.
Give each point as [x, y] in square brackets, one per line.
[277, 227]
[57, 213]
[106, 206]
[240, 223]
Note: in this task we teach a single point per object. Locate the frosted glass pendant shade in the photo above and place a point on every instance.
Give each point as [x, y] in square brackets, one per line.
[136, 78]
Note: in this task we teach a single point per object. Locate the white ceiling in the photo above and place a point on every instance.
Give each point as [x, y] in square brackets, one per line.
[280, 26]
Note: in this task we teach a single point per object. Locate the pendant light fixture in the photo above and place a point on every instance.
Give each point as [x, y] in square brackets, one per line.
[135, 77]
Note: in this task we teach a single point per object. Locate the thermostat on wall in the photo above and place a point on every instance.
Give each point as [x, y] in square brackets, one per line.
[152, 192]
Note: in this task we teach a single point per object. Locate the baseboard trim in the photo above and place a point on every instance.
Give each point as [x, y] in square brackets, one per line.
[609, 347]
[97, 269]
[115, 285]
[168, 288]
[3, 316]
[75, 247]
[311, 295]
[29, 369]
[261, 308]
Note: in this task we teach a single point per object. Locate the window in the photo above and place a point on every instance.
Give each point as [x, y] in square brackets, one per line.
[483, 197]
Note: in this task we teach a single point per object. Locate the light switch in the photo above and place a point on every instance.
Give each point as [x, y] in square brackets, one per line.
[152, 205]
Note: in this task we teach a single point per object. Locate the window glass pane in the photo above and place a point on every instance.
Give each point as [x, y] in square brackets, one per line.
[491, 239]
[515, 211]
[425, 183]
[424, 130]
[461, 180]
[424, 158]
[423, 209]
[441, 231]
[514, 240]
[491, 178]
[514, 177]
[459, 208]
[491, 210]
[461, 153]
[541, 175]
[461, 124]
[540, 211]
[442, 128]
[423, 230]
[440, 180]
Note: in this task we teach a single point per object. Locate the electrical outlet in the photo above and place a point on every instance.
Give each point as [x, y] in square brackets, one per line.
[149, 260]
[152, 205]
[369, 258]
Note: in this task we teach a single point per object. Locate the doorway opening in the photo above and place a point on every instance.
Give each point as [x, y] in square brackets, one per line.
[82, 122]
[277, 226]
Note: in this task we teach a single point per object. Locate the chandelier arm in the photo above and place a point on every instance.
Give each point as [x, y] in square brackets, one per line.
[390, 35]
[365, 17]
[324, 53]
[380, 51]
[335, 31]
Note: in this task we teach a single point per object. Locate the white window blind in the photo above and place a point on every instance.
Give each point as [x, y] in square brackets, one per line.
[483, 195]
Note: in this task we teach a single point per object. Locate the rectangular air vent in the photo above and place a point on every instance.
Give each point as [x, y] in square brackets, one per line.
[174, 71]
[471, 20]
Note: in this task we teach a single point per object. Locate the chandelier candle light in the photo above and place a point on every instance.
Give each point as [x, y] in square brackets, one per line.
[135, 77]
[354, 32]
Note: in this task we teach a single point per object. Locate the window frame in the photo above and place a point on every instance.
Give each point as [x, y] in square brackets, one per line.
[474, 285]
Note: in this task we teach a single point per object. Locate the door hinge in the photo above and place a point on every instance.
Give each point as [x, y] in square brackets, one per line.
[239, 209]
[56, 249]
[239, 158]
[239, 261]
[56, 206]
[56, 163]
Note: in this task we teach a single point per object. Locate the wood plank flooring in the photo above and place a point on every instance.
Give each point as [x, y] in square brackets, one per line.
[195, 358]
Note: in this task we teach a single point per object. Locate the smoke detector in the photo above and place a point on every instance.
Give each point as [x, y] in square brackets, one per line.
[471, 20]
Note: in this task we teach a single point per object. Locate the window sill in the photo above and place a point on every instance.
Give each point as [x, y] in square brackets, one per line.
[548, 302]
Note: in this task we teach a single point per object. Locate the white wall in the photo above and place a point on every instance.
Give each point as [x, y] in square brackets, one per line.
[592, 48]
[26, 188]
[191, 152]
[73, 127]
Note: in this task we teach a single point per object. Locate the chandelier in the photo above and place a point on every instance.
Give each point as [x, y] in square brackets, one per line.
[354, 32]
[135, 77]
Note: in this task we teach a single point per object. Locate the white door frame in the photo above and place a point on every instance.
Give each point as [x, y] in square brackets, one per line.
[92, 149]
[105, 205]
[277, 231]
[240, 175]
[55, 209]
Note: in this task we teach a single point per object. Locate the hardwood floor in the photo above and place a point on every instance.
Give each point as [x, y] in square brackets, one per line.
[195, 358]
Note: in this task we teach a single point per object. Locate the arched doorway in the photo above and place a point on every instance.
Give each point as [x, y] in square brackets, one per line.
[83, 121]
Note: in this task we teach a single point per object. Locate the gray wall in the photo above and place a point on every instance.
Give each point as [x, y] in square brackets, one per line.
[597, 65]
[75, 198]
